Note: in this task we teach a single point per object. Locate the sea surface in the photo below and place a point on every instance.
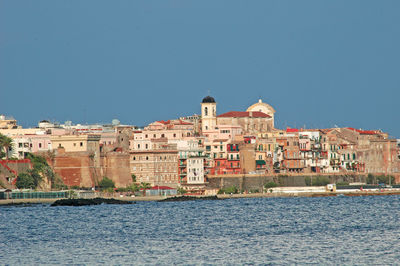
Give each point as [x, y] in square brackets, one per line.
[332, 230]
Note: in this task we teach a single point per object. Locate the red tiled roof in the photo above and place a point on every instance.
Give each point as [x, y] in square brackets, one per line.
[255, 114]
[364, 132]
[291, 130]
[177, 122]
[160, 187]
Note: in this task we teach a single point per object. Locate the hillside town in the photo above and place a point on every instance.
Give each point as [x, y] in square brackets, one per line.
[189, 152]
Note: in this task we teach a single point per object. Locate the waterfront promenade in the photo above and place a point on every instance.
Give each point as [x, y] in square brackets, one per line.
[278, 194]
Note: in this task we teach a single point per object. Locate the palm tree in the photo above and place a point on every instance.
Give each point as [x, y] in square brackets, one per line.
[5, 143]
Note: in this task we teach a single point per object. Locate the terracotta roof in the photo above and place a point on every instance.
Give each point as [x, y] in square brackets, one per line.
[255, 114]
[364, 132]
[160, 187]
[175, 122]
[292, 129]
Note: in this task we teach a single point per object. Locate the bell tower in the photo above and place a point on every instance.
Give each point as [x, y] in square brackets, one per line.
[208, 113]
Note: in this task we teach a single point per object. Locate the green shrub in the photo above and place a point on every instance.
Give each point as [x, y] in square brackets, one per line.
[270, 185]
[181, 190]
[106, 184]
[25, 180]
[342, 183]
[228, 190]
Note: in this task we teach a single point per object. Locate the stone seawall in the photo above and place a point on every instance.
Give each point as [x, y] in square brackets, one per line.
[257, 182]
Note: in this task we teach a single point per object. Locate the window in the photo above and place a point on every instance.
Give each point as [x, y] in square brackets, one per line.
[74, 144]
[205, 111]
[19, 145]
[147, 158]
[162, 135]
[134, 158]
[154, 135]
[81, 144]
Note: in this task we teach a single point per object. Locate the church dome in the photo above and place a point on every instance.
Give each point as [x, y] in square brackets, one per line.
[208, 99]
[262, 107]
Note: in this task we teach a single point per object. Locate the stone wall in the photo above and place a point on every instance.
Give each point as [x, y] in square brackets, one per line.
[249, 182]
[115, 165]
[76, 169]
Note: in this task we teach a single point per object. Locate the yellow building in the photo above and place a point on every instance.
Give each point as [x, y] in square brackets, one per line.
[76, 143]
[7, 123]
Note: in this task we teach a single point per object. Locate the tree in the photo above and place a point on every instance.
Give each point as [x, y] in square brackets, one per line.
[25, 180]
[106, 184]
[5, 144]
[144, 185]
[41, 169]
[134, 187]
[133, 178]
[270, 185]
[181, 190]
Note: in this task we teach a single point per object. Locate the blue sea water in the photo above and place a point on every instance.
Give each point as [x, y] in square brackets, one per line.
[333, 230]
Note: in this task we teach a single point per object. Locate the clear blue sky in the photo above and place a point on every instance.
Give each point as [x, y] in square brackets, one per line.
[318, 63]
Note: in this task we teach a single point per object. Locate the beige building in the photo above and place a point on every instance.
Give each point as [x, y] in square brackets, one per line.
[157, 166]
[258, 118]
[208, 113]
[264, 108]
[7, 123]
[76, 143]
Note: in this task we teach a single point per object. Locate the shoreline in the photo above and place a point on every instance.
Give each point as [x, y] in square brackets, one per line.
[22, 202]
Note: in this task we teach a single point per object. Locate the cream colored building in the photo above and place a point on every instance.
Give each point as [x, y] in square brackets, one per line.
[262, 107]
[259, 117]
[208, 113]
[7, 123]
[76, 143]
[157, 166]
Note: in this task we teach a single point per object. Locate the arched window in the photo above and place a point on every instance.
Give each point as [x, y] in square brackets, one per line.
[205, 111]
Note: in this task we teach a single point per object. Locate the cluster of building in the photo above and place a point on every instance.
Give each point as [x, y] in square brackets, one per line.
[186, 152]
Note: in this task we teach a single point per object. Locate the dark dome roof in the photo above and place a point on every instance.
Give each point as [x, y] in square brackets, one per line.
[208, 99]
